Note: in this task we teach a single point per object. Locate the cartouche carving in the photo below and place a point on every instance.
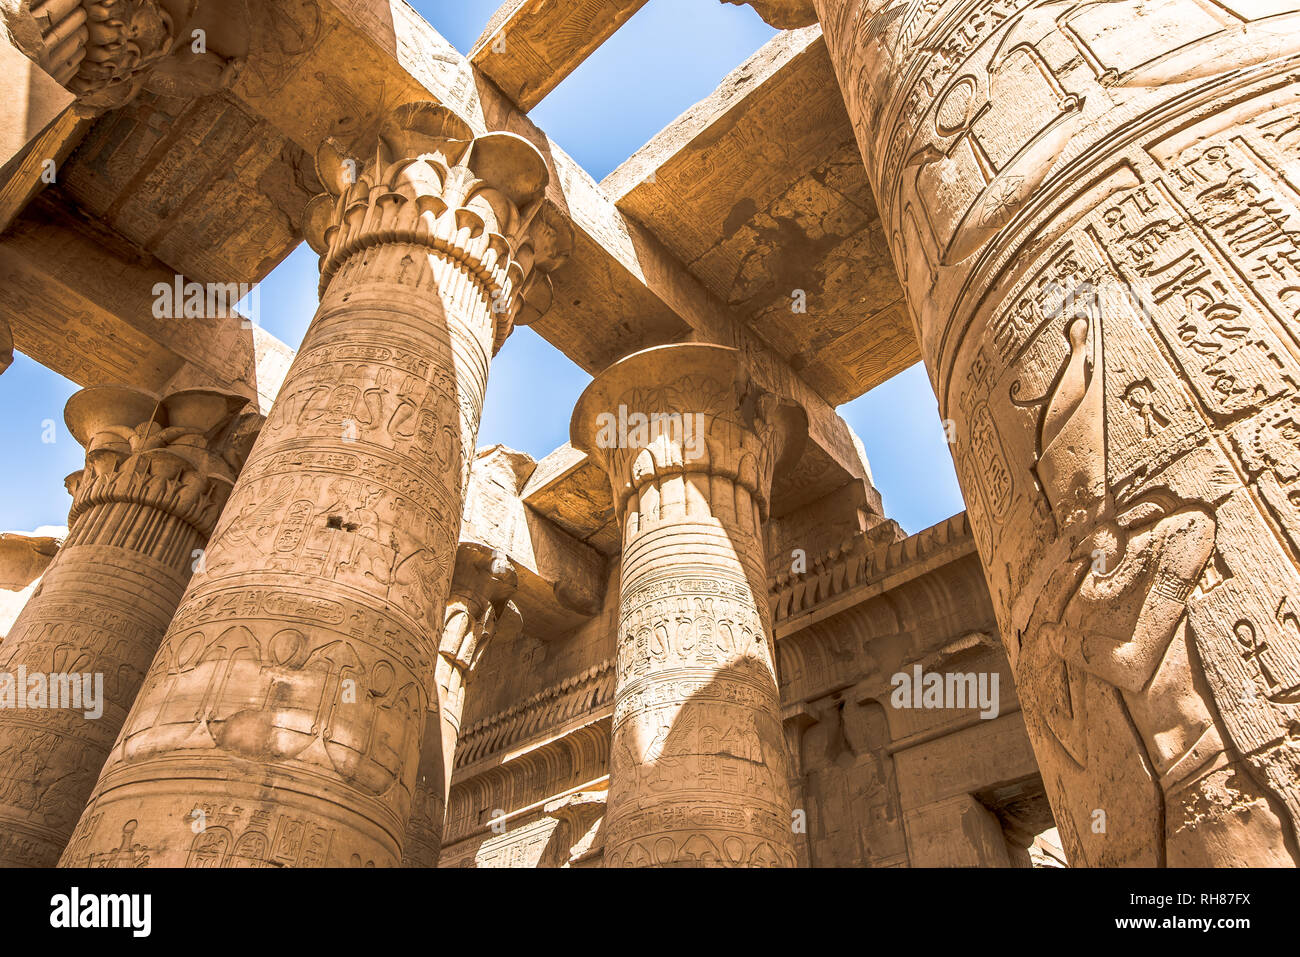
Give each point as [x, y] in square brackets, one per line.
[312, 642]
[1092, 211]
[698, 766]
[158, 471]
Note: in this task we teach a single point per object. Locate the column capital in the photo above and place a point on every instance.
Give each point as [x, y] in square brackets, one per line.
[432, 183]
[782, 14]
[105, 51]
[687, 408]
[481, 587]
[179, 453]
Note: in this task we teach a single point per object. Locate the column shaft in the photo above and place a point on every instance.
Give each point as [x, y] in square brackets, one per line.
[142, 510]
[281, 722]
[477, 609]
[698, 769]
[1093, 208]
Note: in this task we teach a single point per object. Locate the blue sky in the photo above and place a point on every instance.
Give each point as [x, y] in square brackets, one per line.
[669, 56]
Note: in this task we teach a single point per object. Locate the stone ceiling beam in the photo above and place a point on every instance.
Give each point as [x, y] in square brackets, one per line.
[216, 191]
[80, 299]
[760, 191]
[530, 46]
[561, 579]
[620, 290]
[36, 123]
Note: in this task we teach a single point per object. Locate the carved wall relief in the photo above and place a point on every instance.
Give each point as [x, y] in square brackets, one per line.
[851, 787]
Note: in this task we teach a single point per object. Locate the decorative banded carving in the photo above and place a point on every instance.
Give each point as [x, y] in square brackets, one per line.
[506, 792]
[158, 471]
[698, 766]
[431, 184]
[588, 693]
[314, 639]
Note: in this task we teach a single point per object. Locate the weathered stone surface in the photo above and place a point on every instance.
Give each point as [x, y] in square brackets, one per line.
[214, 187]
[104, 53]
[24, 558]
[158, 471]
[530, 46]
[328, 574]
[81, 299]
[560, 580]
[1088, 208]
[759, 190]
[478, 607]
[33, 103]
[698, 770]
[397, 650]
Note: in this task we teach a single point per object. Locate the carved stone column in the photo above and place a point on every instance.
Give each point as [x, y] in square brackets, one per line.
[158, 472]
[477, 609]
[698, 769]
[1095, 211]
[105, 51]
[281, 722]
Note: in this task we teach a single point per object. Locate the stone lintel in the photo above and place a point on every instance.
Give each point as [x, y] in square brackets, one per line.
[760, 190]
[572, 490]
[36, 124]
[530, 46]
[246, 191]
[646, 295]
[24, 558]
[80, 299]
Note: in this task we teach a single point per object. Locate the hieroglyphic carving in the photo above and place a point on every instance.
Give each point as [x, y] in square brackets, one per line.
[1093, 207]
[698, 768]
[311, 641]
[158, 471]
[851, 787]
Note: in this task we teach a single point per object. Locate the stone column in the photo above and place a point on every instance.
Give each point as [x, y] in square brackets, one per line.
[477, 609]
[105, 51]
[698, 769]
[1095, 212]
[158, 472]
[281, 721]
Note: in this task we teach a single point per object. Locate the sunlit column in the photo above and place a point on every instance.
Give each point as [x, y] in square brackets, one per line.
[158, 472]
[1093, 208]
[698, 769]
[281, 722]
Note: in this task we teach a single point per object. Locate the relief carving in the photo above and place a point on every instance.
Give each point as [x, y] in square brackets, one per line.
[1105, 287]
[312, 644]
[698, 766]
